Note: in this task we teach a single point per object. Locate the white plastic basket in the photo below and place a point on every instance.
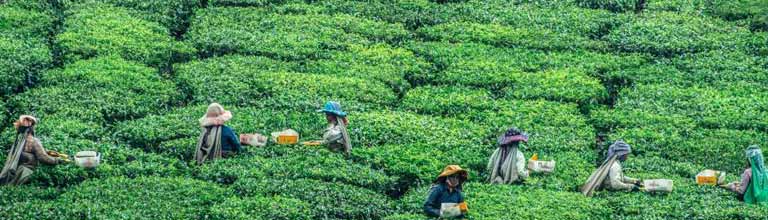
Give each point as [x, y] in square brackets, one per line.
[88, 159]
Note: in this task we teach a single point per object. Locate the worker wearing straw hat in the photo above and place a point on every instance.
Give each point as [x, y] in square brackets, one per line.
[216, 139]
[26, 154]
[445, 198]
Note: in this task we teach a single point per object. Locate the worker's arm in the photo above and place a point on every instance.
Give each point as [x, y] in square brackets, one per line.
[40, 153]
[616, 176]
[228, 135]
[746, 177]
[332, 135]
[432, 202]
[522, 170]
[627, 179]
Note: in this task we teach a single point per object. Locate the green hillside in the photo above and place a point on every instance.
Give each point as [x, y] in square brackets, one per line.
[427, 83]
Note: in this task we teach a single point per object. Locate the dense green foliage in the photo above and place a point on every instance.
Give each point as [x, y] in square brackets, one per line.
[270, 85]
[426, 83]
[24, 50]
[275, 207]
[92, 30]
[667, 34]
[221, 30]
[144, 198]
[172, 14]
[99, 90]
[328, 200]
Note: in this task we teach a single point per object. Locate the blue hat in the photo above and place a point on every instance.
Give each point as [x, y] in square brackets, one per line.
[334, 108]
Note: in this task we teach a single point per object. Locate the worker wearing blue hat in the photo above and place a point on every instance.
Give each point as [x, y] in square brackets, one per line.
[335, 136]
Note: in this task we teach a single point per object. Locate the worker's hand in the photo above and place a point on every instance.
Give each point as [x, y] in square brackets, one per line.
[639, 183]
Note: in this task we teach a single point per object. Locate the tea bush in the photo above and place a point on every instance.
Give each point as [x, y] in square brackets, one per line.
[477, 104]
[277, 89]
[611, 5]
[379, 62]
[23, 47]
[715, 148]
[604, 119]
[732, 107]
[225, 79]
[379, 128]
[24, 202]
[98, 29]
[448, 100]
[276, 207]
[668, 34]
[583, 88]
[299, 163]
[503, 36]
[20, 61]
[577, 85]
[144, 198]
[256, 3]
[22, 23]
[172, 14]
[329, 200]
[573, 20]
[487, 201]
[258, 32]
[45, 7]
[411, 13]
[717, 69]
[444, 55]
[99, 90]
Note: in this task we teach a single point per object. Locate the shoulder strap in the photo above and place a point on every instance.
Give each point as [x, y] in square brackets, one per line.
[12, 162]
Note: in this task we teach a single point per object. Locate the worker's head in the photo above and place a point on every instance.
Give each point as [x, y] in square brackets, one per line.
[620, 150]
[512, 138]
[453, 176]
[755, 157]
[25, 123]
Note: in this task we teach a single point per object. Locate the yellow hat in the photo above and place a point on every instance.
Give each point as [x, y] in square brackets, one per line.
[453, 169]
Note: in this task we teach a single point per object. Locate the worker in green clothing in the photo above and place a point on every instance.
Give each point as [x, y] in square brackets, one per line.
[753, 187]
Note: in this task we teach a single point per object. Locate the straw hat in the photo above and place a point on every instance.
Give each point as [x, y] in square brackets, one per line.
[215, 115]
[453, 169]
[25, 117]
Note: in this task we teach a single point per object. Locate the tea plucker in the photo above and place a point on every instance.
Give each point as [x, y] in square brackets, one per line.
[447, 189]
[610, 175]
[335, 137]
[753, 187]
[216, 139]
[507, 163]
[25, 154]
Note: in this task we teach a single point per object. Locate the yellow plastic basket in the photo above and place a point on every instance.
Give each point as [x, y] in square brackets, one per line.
[287, 139]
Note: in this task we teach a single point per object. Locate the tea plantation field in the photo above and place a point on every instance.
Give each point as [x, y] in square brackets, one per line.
[426, 82]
